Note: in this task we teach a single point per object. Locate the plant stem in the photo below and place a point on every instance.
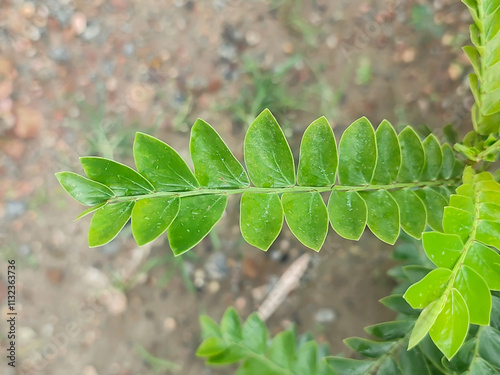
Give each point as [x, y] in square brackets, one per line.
[288, 189]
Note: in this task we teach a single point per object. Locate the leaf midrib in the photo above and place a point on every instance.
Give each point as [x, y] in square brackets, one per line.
[290, 189]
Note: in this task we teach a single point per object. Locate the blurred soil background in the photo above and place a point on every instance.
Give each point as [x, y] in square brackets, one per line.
[80, 77]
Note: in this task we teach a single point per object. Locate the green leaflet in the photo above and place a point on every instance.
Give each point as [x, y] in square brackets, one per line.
[383, 215]
[214, 164]
[448, 161]
[434, 204]
[197, 216]
[285, 354]
[457, 221]
[397, 303]
[442, 249]
[318, 155]
[357, 149]
[484, 58]
[122, 179]
[211, 347]
[230, 325]
[90, 210]
[425, 322]
[282, 349]
[488, 232]
[461, 361]
[261, 219]
[486, 262]
[267, 155]
[152, 217]
[433, 158]
[348, 214]
[306, 359]
[429, 289]
[489, 211]
[451, 325]
[412, 212]
[388, 155]
[85, 191]
[108, 221]
[368, 348]
[481, 367]
[412, 154]
[462, 287]
[489, 345]
[255, 335]
[349, 366]
[390, 330]
[462, 202]
[476, 294]
[307, 218]
[162, 165]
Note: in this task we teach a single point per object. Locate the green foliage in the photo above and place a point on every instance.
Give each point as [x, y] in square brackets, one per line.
[484, 82]
[265, 88]
[458, 291]
[446, 300]
[250, 344]
[402, 186]
[387, 353]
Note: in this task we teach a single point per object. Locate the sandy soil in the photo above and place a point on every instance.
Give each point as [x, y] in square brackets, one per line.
[80, 77]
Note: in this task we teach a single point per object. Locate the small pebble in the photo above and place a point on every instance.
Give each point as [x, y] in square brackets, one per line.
[455, 71]
[213, 287]
[14, 209]
[325, 316]
[91, 31]
[79, 23]
[170, 324]
[240, 304]
[408, 55]
[47, 330]
[288, 48]
[216, 266]
[252, 38]
[28, 9]
[332, 41]
[89, 370]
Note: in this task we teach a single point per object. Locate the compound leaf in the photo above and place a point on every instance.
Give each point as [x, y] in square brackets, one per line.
[451, 325]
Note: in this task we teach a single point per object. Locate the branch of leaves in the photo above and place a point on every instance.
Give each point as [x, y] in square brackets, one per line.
[385, 180]
[457, 292]
[485, 59]
[389, 353]
[479, 353]
[479, 148]
[250, 344]
[288, 354]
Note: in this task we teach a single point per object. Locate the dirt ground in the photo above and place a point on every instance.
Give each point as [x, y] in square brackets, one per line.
[80, 77]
